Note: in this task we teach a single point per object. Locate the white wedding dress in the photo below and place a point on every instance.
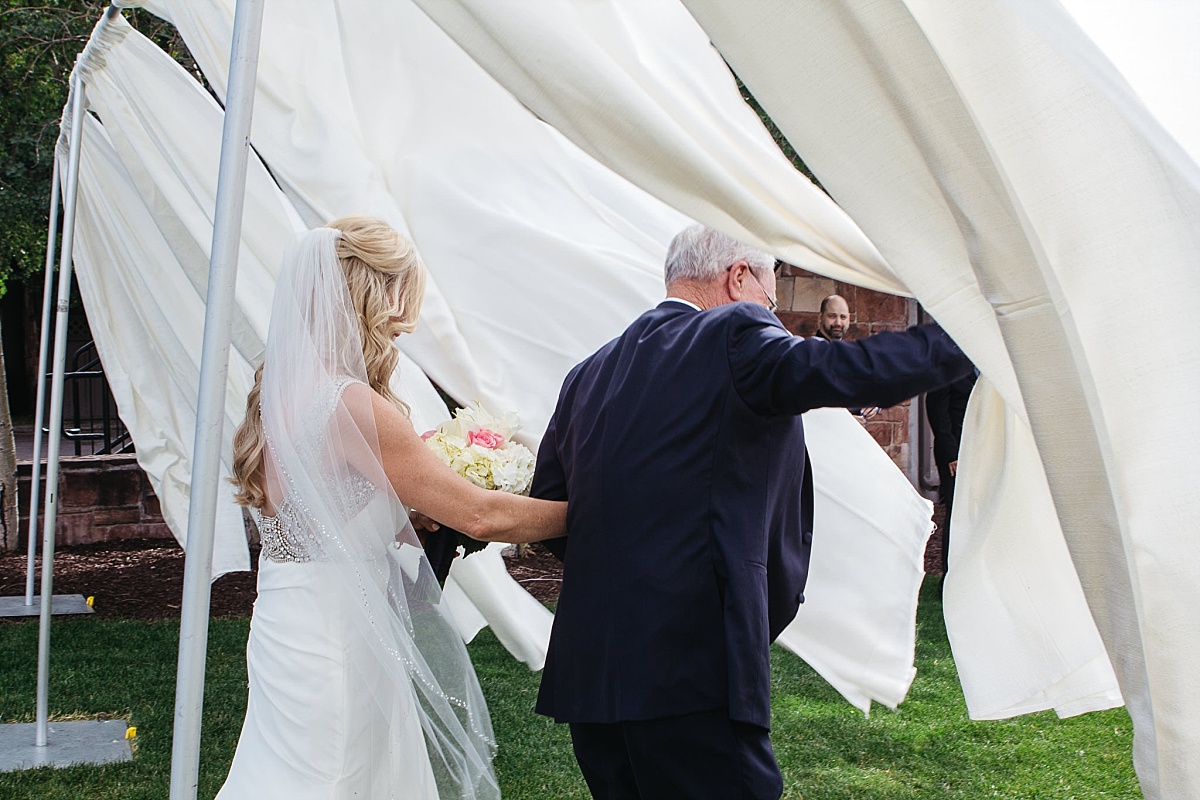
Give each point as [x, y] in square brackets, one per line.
[360, 685]
[313, 731]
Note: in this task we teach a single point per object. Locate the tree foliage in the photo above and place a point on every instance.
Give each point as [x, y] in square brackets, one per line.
[38, 46]
[781, 141]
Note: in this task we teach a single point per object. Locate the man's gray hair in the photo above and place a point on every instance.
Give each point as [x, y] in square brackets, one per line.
[700, 253]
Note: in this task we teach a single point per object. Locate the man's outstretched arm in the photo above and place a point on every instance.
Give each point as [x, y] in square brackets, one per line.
[777, 373]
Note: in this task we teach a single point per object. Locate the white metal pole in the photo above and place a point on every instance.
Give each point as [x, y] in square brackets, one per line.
[210, 407]
[39, 415]
[56, 402]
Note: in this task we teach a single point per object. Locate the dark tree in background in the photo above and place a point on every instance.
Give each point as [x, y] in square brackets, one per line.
[8, 469]
[38, 46]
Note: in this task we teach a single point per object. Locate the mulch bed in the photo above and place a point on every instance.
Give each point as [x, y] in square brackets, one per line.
[144, 579]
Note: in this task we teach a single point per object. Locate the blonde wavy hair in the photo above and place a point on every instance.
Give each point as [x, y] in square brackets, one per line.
[386, 281]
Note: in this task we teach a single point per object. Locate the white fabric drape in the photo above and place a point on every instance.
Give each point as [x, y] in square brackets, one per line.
[538, 254]
[1010, 562]
[147, 192]
[369, 108]
[1051, 180]
[856, 626]
[144, 227]
[570, 254]
[1011, 179]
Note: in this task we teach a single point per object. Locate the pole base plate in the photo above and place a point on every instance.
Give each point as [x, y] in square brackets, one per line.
[67, 742]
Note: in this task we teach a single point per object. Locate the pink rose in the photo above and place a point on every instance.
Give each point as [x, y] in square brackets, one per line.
[485, 438]
[427, 435]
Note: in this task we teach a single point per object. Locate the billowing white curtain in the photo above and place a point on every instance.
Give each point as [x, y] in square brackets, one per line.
[369, 108]
[547, 253]
[1024, 195]
[857, 624]
[144, 228]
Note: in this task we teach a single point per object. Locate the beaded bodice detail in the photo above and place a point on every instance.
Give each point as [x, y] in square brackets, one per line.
[287, 537]
[292, 535]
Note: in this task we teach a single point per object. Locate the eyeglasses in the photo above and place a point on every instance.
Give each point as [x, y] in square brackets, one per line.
[772, 305]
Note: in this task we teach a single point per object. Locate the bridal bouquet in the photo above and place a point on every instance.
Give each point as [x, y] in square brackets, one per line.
[479, 446]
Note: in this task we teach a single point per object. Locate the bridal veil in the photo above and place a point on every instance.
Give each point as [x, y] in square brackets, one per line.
[417, 698]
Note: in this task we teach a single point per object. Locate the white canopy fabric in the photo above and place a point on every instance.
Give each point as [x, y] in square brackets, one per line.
[144, 228]
[144, 225]
[996, 159]
[158, 146]
[1011, 178]
[413, 132]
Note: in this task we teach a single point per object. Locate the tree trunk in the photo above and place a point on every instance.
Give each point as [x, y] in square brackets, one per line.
[8, 469]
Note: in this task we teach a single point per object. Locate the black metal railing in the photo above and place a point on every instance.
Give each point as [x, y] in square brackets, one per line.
[90, 418]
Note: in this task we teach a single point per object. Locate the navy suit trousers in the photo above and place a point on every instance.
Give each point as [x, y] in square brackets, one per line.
[701, 756]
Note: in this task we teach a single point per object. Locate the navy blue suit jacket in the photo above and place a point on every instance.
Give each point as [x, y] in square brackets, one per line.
[680, 449]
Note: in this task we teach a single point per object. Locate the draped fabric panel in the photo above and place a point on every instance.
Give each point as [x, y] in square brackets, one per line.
[1011, 587]
[721, 164]
[144, 228]
[147, 192]
[1010, 178]
[145, 350]
[1058, 181]
[856, 626]
[906, 158]
[548, 254]
[369, 108]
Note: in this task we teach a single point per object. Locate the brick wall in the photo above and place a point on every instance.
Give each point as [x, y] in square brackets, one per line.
[800, 294]
[109, 497]
[101, 498]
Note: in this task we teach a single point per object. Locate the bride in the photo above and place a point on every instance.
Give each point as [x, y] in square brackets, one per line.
[360, 685]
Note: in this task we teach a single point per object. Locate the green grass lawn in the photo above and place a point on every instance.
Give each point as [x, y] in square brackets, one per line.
[827, 749]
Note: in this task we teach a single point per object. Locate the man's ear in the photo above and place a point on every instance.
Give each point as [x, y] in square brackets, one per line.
[735, 280]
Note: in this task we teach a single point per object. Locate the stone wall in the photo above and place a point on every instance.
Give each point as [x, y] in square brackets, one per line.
[800, 294]
[101, 498]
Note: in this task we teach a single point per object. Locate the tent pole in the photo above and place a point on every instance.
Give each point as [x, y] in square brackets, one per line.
[210, 416]
[39, 415]
[56, 402]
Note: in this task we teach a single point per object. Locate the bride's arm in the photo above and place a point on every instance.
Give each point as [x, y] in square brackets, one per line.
[422, 481]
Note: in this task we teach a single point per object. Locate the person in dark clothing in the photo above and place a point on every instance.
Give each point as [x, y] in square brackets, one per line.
[680, 449]
[832, 325]
[945, 408]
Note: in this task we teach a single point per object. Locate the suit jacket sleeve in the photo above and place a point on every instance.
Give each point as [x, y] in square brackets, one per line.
[550, 480]
[777, 373]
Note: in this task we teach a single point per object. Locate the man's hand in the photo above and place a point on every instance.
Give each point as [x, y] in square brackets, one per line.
[864, 414]
[422, 524]
[953, 468]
